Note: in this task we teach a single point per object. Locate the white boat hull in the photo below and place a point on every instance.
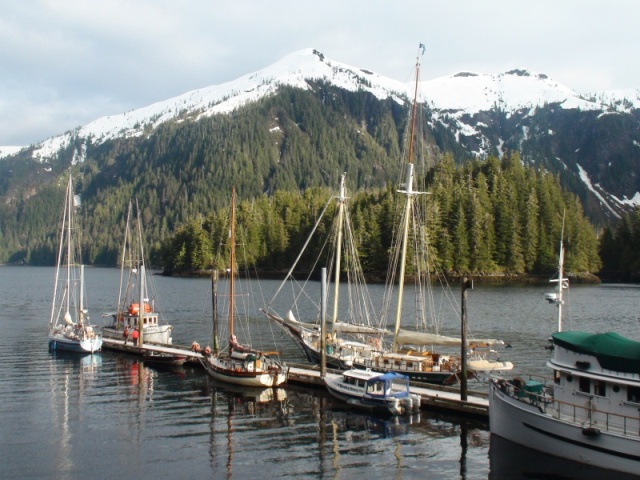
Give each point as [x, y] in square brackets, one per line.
[527, 425]
[160, 334]
[222, 371]
[58, 341]
[357, 395]
[489, 366]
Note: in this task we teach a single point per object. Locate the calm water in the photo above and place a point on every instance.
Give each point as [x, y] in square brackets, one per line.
[111, 416]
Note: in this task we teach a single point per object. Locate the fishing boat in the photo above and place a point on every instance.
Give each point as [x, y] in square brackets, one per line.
[69, 325]
[385, 394]
[353, 330]
[239, 364]
[135, 308]
[419, 351]
[588, 412]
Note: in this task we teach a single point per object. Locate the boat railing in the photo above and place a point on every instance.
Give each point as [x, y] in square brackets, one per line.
[593, 418]
[540, 395]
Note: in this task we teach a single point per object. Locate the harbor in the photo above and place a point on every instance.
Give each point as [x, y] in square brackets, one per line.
[432, 396]
[112, 412]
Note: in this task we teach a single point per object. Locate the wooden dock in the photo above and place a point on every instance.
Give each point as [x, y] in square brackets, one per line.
[438, 397]
[433, 396]
[118, 345]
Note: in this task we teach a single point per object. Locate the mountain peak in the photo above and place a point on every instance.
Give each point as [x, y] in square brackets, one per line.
[463, 92]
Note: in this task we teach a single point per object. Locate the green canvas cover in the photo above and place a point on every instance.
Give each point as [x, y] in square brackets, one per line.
[614, 352]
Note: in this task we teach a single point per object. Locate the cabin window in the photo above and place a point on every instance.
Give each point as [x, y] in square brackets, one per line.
[585, 385]
[633, 394]
[600, 388]
[556, 377]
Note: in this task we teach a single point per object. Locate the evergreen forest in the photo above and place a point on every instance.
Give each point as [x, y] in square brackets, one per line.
[284, 154]
[495, 217]
[620, 249]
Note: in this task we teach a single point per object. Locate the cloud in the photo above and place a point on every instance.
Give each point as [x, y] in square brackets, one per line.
[73, 61]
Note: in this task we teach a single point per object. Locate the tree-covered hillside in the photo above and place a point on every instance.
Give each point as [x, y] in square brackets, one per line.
[486, 216]
[483, 218]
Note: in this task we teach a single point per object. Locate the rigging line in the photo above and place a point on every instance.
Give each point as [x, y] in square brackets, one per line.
[303, 249]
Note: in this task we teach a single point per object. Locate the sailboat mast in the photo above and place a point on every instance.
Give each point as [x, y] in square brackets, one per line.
[561, 279]
[61, 251]
[141, 306]
[232, 260]
[143, 277]
[214, 308]
[408, 191]
[81, 313]
[69, 248]
[126, 246]
[341, 205]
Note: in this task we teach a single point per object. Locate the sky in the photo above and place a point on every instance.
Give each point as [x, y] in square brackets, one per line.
[65, 63]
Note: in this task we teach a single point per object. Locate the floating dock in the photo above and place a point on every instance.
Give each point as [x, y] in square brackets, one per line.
[438, 397]
[146, 348]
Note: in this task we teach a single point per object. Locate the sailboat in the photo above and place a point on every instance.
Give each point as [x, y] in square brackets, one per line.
[354, 330]
[411, 351]
[69, 326]
[240, 364]
[135, 309]
[587, 412]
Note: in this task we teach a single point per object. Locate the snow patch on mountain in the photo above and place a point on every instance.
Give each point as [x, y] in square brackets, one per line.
[450, 98]
[9, 150]
[584, 176]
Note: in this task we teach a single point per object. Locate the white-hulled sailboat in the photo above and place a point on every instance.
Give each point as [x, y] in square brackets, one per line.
[236, 363]
[69, 326]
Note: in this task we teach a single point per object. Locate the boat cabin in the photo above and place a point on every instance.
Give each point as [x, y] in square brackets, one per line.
[597, 378]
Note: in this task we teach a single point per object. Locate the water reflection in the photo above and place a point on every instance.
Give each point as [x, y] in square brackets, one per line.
[511, 461]
[69, 375]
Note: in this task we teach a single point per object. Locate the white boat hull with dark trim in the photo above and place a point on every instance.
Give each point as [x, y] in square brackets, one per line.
[525, 424]
[386, 394]
[58, 341]
[248, 370]
[589, 413]
[428, 368]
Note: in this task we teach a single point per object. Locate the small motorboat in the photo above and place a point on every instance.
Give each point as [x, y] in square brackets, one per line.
[383, 393]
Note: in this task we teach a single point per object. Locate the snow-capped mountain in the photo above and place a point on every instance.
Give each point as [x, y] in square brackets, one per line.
[485, 113]
[459, 95]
